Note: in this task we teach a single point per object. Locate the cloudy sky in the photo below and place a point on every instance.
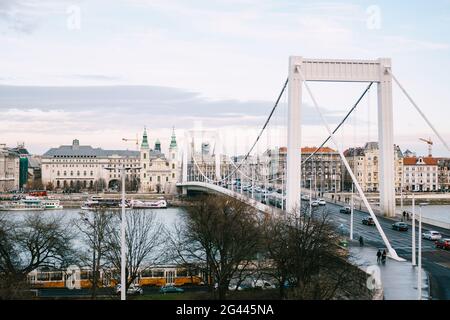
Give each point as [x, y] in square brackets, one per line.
[101, 70]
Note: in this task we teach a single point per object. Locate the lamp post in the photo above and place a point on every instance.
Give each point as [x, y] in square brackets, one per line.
[413, 246]
[419, 271]
[310, 195]
[351, 216]
[123, 285]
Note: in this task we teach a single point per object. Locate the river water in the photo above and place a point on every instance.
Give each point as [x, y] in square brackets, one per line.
[168, 217]
[435, 212]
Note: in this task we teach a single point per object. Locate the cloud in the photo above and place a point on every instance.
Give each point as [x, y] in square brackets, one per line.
[25, 16]
[101, 112]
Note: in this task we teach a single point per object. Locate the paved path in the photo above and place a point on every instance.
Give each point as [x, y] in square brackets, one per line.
[399, 279]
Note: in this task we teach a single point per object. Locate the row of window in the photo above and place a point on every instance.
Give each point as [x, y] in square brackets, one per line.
[158, 178]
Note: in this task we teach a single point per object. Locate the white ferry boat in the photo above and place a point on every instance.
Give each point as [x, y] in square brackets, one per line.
[137, 204]
[52, 204]
[22, 206]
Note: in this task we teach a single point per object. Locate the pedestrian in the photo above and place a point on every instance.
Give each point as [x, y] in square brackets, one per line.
[404, 215]
[378, 256]
[361, 241]
[407, 216]
[383, 256]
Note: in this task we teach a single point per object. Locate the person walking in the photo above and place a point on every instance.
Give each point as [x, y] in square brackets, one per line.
[361, 241]
[378, 256]
[383, 256]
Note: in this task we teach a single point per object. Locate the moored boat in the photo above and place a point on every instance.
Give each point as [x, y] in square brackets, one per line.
[22, 206]
[52, 204]
[137, 204]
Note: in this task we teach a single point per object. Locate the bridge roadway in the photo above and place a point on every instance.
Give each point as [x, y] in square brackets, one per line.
[435, 261]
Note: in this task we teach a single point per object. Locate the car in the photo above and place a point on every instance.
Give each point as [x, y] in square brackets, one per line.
[315, 203]
[305, 197]
[443, 244]
[322, 202]
[346, 210]
[133, 289]
[170, 289]
[263, 284]
[400, 226]
[368, 221]
[431, 235]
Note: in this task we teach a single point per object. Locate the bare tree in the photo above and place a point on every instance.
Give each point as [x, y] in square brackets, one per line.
[34, 242]
[49, 186]
[143, 242]
[95, 230]
[304, 253]
[219, 233]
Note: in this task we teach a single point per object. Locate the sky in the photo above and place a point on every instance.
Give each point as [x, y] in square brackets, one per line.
[102, 70]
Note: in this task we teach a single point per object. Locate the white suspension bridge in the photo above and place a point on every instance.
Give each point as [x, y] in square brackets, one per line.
[213, 176]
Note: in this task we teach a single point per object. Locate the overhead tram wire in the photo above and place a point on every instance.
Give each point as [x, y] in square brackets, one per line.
[340, 124]
[257, 139]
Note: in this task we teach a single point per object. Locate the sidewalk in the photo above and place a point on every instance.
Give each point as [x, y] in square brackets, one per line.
[398, 279]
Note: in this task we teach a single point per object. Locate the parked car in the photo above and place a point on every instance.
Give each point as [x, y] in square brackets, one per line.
[263, 284]
[305, 197]
[315, 203]
[170, 289]
[368, 221]
[346, 210]
[431, 235]
[133, 289]
[443, 244]
[400, 226]
[322, 202]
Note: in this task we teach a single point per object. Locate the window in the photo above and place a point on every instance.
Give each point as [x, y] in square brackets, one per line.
[173, 165]
[92, 173]
[145, 155]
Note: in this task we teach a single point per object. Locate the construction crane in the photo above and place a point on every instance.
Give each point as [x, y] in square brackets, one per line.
[430, 143]
[137, 141]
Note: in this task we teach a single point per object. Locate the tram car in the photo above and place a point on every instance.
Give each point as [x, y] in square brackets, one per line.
[75, 277]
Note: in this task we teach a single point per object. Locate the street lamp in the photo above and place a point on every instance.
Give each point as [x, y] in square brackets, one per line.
[351, 216]
[419, 271]
[123, 286]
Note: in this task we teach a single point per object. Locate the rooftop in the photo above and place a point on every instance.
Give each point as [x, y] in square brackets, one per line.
[75, 150]
[411, 161]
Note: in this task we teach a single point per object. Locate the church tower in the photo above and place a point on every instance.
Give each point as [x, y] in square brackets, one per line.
[173, 158]
[145, 162]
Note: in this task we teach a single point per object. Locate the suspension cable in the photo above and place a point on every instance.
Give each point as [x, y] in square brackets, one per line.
[340, 124]
[257, 138]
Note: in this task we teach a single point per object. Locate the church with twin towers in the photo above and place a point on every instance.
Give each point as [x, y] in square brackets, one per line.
[159, 172]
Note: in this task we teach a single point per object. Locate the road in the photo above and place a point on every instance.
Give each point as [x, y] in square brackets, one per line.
[435, 261]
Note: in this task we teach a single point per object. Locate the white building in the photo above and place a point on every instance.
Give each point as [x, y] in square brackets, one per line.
[9, 169]
[84, 167]
[159, 173]
[421, 174]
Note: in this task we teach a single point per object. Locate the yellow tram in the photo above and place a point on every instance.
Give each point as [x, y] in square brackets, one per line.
[75, 277]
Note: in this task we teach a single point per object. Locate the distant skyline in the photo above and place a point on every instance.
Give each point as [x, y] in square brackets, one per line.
[100, 70]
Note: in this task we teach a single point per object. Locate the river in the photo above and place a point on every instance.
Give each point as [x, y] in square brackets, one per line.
[435, 212]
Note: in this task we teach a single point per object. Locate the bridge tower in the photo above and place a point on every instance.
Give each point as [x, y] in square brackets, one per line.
[341, 71]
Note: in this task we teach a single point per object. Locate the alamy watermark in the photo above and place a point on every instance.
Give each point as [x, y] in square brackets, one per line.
[73, 21]
[373, 19]
[374, 280]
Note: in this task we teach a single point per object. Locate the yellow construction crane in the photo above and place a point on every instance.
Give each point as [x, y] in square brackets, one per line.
[137, 141]
[430, 143]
